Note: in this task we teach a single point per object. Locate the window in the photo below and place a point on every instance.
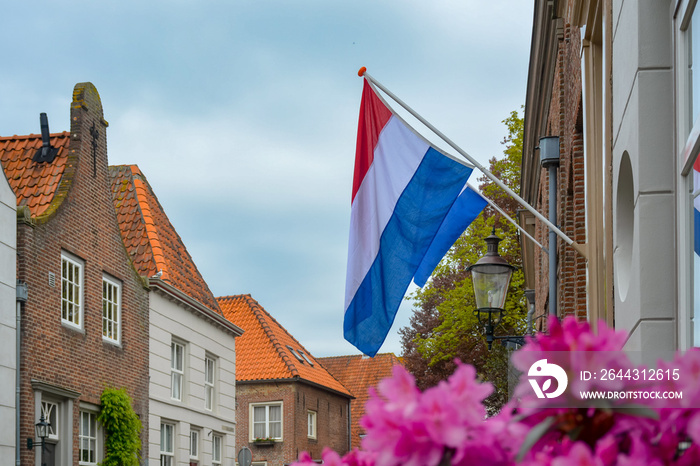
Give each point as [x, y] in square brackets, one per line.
[111, 309]
[71, 290]
[216, 448]
[266, 421]
[209, 392]
[167, 440]
[306, 358]
[87, 439]
[50, 412]
[177, 370]
[194, 445]
[311, 423]
[688, 178]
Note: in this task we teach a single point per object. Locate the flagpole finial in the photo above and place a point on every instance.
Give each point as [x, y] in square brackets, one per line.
[361, 71]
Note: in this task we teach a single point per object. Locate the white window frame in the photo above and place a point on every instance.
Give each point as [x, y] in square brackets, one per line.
[209, 382]
[91, 437]
[194, 444]
[167, 452]
[177, 372]
[267, 406]
[72, 290]
[50, 411]
[217, 449]
[311, 424]
[688, 146]
[111, 310]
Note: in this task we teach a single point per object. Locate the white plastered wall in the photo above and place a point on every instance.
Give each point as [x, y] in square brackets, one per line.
[8, 322]
[643, 131]
[170, 320]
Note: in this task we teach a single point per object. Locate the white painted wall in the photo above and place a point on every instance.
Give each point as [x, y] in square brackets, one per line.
[170, 320]
[643, 119]
[8, 325]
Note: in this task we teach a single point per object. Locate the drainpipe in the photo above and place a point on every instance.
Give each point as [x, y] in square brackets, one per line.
[349, 427]
[549, 158]
[530, 295]
[21, 297]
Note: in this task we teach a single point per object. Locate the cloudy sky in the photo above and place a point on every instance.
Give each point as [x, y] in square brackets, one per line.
[243, 115]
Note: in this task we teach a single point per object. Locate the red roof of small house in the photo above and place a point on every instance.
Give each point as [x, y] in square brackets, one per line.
[358, 373]
[35, 184]
[266, 351]
[150, 238]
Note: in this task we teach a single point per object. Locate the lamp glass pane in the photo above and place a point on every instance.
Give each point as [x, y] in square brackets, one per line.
[490, 289]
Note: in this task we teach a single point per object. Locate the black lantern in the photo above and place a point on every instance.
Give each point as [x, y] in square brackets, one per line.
[491, 277]
[42, 431]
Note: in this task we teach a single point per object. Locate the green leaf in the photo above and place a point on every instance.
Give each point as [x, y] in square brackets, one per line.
[533, 436]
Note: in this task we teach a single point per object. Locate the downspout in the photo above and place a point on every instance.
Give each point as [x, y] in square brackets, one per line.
[21, 297]
[549, 158]
[349, 427]
[530, 295]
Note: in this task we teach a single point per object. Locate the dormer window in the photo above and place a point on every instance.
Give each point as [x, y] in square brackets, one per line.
[306, 358]
[296, 355]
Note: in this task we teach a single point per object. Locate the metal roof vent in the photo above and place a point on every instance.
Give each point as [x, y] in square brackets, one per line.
[46, 153]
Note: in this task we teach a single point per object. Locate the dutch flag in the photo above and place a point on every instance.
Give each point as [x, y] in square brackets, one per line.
[403, 190]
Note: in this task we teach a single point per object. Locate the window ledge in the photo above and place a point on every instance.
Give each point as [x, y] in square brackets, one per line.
[263, 443]
[72, 327]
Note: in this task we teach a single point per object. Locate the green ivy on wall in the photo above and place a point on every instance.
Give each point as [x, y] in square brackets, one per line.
[122, 427]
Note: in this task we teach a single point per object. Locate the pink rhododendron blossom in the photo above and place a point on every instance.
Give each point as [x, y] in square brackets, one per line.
[578, 455]
[447, 423]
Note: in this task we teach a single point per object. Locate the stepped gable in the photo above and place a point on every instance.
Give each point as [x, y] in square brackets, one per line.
[266, 351]
[150, 238]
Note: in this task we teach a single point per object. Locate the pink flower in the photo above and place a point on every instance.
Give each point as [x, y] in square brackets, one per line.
[578, 455]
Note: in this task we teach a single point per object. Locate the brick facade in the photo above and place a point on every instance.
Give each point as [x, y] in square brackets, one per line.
[81, 221]
[297, 399]
[564, 118]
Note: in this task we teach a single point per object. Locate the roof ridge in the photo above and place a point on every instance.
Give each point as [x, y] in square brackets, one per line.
[36, 136]
[260, 314]
[128, 178]
[234, 296]
[151, 229]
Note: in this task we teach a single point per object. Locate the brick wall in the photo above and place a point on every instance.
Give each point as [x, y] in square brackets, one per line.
[297, 399]
[565, 121]
[82, 222]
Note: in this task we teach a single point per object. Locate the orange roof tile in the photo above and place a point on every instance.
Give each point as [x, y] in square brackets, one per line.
[34, 184]
[151, 239]
[358, 373]
[264, 352]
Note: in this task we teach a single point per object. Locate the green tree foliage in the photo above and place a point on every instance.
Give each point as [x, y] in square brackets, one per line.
[122, 427]
[443, 326]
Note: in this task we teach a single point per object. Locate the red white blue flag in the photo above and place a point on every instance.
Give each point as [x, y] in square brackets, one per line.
[403, 188]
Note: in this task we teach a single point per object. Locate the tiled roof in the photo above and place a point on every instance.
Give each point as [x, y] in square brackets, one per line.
[359, 373]
[151, 239]
[35, 184]
[264, 352]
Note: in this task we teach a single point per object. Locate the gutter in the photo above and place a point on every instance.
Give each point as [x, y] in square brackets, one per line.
[297, 379]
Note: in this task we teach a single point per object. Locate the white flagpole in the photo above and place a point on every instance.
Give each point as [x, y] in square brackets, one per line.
[363, 72]
[521, 229]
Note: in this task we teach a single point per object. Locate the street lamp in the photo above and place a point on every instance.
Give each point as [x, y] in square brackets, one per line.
[491, 277]
[42, 431]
